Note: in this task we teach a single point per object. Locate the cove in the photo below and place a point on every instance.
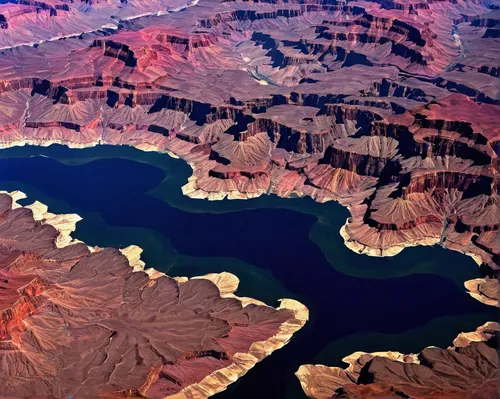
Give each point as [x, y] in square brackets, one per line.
[278, 247]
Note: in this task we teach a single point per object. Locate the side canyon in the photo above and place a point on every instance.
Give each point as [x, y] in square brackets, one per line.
[390, 107]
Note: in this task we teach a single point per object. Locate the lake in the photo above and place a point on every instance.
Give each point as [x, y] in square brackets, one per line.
[277, 247]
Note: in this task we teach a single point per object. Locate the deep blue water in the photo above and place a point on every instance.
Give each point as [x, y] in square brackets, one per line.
[273, 239]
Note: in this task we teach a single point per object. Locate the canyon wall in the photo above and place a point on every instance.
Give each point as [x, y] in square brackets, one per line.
[391, 108]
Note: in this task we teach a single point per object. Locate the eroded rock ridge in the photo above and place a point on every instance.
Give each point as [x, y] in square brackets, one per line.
[468, 369]
[91, 322]
[390, 107]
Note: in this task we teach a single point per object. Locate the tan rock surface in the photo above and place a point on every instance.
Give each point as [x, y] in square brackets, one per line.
[89, 321]
[467, 369]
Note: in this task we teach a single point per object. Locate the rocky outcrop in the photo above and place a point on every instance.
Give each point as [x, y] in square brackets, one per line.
[390, 107]
[485, 290]
[430, 195]
[469, 368]
[78, 320]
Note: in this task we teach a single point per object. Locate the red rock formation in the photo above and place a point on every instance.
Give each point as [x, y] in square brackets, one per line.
[390, 107]
[469, 369]
[90, 321]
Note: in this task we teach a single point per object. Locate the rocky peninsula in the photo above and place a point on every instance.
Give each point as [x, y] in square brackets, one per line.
[390, 107]
[468, 369]
[375, 104]
[79, 320]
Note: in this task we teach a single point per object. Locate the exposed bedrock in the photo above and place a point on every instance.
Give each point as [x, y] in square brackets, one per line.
[485, 290]
[249, 15]
[117, 50]
[392, 111]
[390, 107]
[459, 180]
[77, 320]
[364, 155]
[469, 369]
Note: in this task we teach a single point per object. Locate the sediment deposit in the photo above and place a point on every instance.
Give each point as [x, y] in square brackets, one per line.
[92, 322]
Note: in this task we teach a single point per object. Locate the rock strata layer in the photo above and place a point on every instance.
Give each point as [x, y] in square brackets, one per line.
[468, 369]
[390, 107]
[92, 322]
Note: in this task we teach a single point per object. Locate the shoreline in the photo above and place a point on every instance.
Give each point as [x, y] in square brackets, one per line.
[226, 283]
[321, 382]
[190, 190]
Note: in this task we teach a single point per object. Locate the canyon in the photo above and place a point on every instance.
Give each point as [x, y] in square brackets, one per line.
[390, 107]
[374, 104]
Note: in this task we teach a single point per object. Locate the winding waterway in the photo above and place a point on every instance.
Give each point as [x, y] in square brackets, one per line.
[278, 248]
